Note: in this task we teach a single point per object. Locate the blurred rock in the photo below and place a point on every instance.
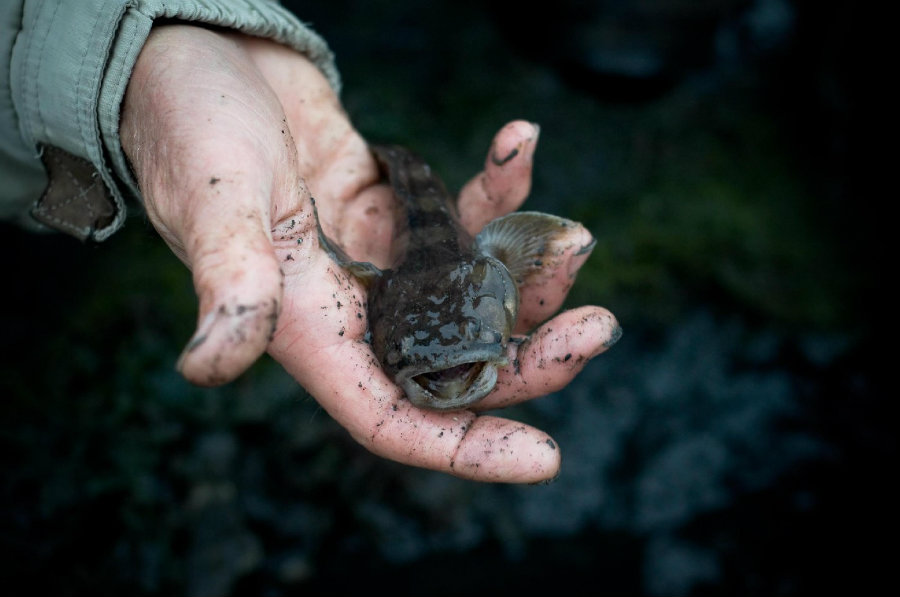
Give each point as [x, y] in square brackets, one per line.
[636, 49]
[674, 567]
[222, 548]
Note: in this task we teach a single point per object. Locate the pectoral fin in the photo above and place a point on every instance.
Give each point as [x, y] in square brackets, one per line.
[364, 271]
[520, 240]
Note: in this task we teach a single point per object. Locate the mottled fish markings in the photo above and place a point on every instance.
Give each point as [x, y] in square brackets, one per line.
[441, 317]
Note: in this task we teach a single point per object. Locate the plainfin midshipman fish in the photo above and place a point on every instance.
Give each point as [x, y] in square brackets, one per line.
[441, 317]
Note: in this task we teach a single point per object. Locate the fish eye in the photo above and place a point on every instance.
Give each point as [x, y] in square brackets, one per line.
[498, 283]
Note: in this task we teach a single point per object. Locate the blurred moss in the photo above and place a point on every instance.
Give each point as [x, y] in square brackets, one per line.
[98, 424]
[725, 213]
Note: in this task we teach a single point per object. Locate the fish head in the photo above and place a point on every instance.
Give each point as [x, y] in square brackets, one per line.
[445, 352]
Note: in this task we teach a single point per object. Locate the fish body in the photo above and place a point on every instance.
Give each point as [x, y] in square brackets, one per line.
[441, 317]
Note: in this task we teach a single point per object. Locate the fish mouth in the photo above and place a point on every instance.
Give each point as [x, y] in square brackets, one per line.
[453, 385]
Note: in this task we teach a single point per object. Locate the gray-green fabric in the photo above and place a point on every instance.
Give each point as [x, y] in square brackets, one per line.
[64, 67]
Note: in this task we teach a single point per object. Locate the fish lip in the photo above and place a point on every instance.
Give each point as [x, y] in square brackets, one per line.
[491, 355]
[474, 353]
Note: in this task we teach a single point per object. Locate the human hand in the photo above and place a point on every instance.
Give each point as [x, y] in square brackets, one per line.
[229, 137]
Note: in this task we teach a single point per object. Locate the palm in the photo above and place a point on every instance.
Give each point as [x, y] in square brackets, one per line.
[228, 157]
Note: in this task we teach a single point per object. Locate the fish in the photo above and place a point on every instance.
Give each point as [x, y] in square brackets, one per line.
[441, 317]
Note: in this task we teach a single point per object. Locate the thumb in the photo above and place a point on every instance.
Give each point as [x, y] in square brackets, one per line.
[239, 284]
[207, 139]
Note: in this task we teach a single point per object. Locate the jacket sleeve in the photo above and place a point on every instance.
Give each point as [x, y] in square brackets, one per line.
[65, 67]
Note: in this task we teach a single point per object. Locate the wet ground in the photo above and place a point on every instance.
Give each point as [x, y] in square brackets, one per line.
[735, 441]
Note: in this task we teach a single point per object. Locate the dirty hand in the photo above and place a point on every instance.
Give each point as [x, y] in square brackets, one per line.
[230, 137]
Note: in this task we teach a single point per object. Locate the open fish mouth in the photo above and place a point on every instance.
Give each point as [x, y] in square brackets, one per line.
[447, 383]
[454, 386]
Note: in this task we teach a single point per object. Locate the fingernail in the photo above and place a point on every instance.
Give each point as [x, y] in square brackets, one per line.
[615, 334]
[549, 481]
[579, 257]
[613, 337]
[531, 142]
[198, 338]
[587, 248]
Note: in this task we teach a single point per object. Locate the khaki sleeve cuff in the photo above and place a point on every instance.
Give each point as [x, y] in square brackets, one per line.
[70, 71]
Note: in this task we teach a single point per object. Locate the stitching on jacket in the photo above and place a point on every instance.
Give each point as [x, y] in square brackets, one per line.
[120, 73]
[27, 119]
[47, 211]
[40, 69]
[117, 85]
[83, 117]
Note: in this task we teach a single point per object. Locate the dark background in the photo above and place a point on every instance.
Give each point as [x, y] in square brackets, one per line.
[736, 441]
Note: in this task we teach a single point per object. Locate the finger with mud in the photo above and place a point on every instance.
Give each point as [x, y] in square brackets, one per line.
[361, 398]
[505, 181]
[239, 286]
[553, 355]
[544, 290]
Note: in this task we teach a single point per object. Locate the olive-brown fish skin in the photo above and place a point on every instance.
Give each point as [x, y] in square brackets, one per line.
[441, 317]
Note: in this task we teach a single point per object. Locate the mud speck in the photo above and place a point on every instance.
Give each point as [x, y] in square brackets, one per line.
[501, 161]
[241, 309]
[614, 337]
